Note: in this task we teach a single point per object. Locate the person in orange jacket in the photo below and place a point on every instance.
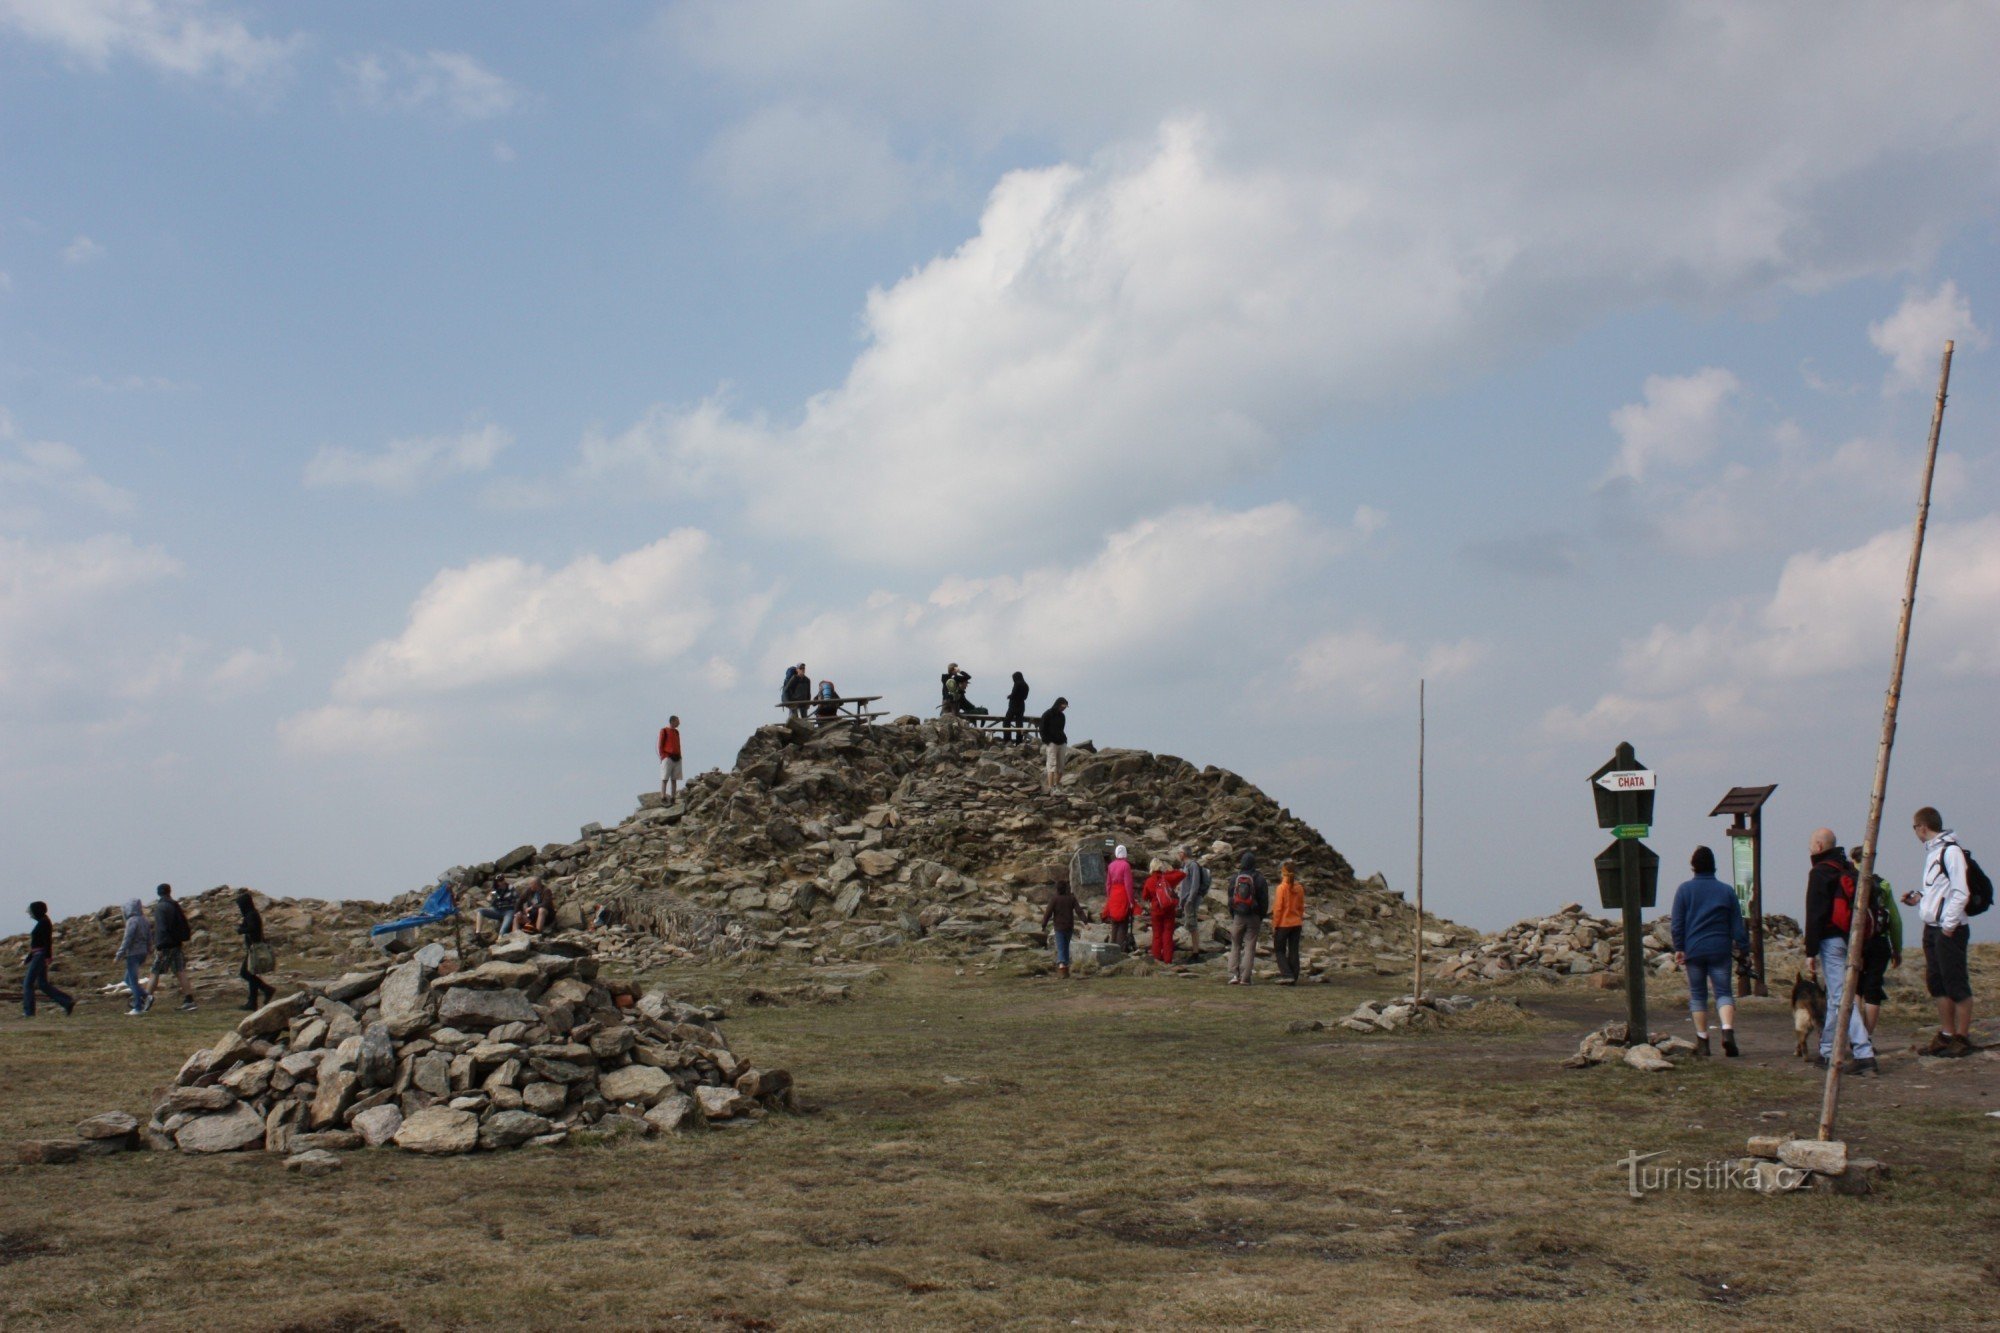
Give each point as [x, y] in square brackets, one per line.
[1288, 919]
[1159, 895]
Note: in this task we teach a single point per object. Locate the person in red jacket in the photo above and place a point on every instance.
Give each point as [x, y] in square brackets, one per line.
[1159, 895]
[670, 758]
[1118, 904]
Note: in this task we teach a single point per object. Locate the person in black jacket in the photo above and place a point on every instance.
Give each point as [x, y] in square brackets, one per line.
[798, 690]
[1055, 739]
[1830, 903]
[41, 952]
[170, 937]
[1017, 700]
[255, 951]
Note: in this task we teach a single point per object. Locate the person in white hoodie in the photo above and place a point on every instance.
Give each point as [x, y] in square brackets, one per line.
[1947, 886]
[133, 951]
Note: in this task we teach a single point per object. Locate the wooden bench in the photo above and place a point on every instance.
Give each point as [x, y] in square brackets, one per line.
[849, 708]
[1027, 730]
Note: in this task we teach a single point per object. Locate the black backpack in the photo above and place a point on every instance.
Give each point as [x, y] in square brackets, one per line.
[1878, 911]
[1978, 888]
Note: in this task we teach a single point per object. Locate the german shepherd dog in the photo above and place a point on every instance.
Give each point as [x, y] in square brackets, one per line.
[1808, 1011]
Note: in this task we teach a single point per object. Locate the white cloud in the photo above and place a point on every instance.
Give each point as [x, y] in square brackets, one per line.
[814, 165]
[339, 729]
[1359, 668]
[505, 621]
[184, 37]
[451, 80]
[55, 623]
[82, 250]
[1913, 338]
[1675, 424]
[49, 465]
[407, 465]
[249, 669]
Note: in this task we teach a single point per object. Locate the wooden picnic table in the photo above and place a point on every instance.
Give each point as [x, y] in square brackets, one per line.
[1026, 729]
[849, 708]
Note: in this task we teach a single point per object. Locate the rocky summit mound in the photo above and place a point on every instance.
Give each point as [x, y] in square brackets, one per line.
[1572, 943]
[833, 841]
[526, 1047]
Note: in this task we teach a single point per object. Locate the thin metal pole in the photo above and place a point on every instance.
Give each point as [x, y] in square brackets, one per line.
[1864, 885]
[1417, 988]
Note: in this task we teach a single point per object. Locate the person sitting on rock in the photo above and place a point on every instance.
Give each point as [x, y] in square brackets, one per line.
[501, 905]
[1159, 895]
[1118, 902]
[538, 909]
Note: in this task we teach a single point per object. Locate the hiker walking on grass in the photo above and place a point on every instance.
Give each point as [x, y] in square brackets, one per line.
[1194, 888]
[1249, 904]
[1055, 743]
[1161, 881]
[132, 951]
[257, 957]
[1708, 930]
[41, 953]
[670, 759]
[1118, 903]
[1830, 899]
[1946, 906]
[170, 937]
[1288, 923]
[1062, 913]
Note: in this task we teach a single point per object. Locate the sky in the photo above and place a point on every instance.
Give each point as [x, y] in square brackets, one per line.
[403, 410]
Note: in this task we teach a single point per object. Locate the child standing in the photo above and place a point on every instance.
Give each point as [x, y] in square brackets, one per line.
[1063, 912]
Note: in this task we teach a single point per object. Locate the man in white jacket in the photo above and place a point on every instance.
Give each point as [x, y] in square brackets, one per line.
[1947, 933]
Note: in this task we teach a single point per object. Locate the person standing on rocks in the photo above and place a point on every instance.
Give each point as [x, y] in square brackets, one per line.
[1708, 930]
[1166, 907]
[1194, 888]
[951, 685]
[41, 953]
[1055, 743]
[1944, 907]
[1830, 905]
[1288, 923]
[1249, 904]
[1118, 902]
[798, 690]
[170, 936]
[132, 951]
[1063, 912]
[1017, 700]
[670, 759]
[257, 957]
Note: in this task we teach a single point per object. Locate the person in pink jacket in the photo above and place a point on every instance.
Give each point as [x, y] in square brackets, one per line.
[1118, 899]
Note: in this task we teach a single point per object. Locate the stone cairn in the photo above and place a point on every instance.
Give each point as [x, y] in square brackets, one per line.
[1571, 943]
[525, 1048]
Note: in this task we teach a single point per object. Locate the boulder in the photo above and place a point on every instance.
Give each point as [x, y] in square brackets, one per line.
[227, 1131]
[544, 1099]
[511, 1129]
[439, 1130]
[1648, 1058]
[378, 1124]
[48, 1152]
[274, 1017]
[109, 1125]
[674, 1114]
[719, 1103]
[213, 1098]
[376, 1061]
[352, 985]
[635, 1083]
[314, 1162]
[1828, 1157]
[404, 1002]
[482, 1009]
[330, 1103]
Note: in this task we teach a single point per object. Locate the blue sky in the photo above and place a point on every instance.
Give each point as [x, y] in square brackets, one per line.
[405, 409]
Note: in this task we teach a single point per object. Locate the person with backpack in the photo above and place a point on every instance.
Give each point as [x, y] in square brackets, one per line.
[1165, 905]
[1118, 899]
[1708, 931]
[1288, 923]
[133, 950]
[1883, 948]
[828, 707]
[41, 953]
[951, 685]
[1830, 897]
[257, 955]
[670, 759]
[1954, 890]
[1055, 744]
[1194, 888]
[170, 936]
[798, 690]
[1249, 904]
[1017, 700]
[1062, 913]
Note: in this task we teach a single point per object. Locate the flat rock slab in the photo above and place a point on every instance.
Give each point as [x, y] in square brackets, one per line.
[481, 1009]
[635, 1083]
[511, 1129]
[314, 1162]
[1829, 1158]
[439, 1130]
[110, 1125]
[1648, 1058]
[227, 1131]
[274, 1017]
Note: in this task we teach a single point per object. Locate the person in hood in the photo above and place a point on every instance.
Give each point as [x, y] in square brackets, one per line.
[1194, 888]
[1288, 923]
[1830, 904]
[170, 937]
[798, 690]
[1708, 930]
[1055, 743]
[1060, 918]
[41, 953]
[256, 953]
[1017, 700]
[1118, 901]
[1165, 907]
[1249, 904]
[133, 950]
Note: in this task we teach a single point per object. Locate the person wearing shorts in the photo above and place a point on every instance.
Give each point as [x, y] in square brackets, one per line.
[1055, 740]
[670, 758]
[1942, 905]
[1707, 922]
[170, 937]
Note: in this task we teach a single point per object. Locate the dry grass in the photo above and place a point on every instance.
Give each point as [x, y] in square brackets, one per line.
[1124, 1152]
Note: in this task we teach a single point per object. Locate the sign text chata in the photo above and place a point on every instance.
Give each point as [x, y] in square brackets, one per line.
[1642, 779]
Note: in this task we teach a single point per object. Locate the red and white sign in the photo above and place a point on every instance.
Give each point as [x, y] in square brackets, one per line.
[1632, 779]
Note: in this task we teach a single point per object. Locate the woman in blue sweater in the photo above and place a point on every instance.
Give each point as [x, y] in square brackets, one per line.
[1708, 929]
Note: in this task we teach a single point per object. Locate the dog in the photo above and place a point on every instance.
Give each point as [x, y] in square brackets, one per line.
[1808, 1012]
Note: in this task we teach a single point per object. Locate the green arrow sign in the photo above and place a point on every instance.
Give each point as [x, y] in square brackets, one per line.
[1632, 831]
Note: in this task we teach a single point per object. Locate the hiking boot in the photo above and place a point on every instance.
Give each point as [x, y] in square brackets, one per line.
[187, 1006]
[1729, 1042]
[1701, 1045]
[1866, 1065]
[1959, 1045]
[1820, 1062]
[1938, 1045]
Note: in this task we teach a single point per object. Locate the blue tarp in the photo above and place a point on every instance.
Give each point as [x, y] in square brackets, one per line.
[437, 907]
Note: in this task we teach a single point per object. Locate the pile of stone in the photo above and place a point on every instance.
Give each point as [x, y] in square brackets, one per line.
[1780, 1165]
[525, 1048]
[843, 841]
[1614, 1042]
[1572, 943]
[1404, 1013]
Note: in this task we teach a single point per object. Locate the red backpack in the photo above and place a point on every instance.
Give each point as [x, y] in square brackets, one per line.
[1842, 911]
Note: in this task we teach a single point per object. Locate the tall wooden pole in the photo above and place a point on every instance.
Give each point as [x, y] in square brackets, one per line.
[1417, 988]
[1865, 884]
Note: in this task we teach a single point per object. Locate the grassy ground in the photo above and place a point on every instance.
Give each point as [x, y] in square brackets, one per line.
[1124, 1152]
